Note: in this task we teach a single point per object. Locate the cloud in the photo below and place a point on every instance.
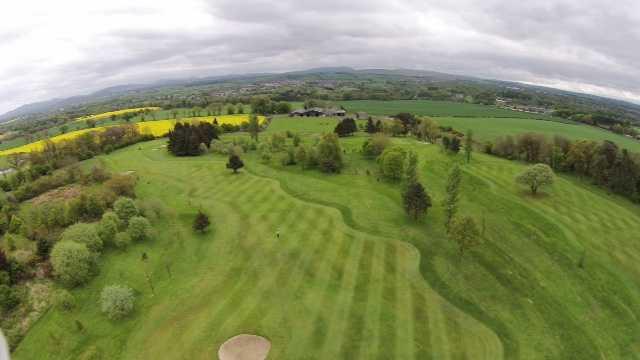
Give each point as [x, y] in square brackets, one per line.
[70, 47]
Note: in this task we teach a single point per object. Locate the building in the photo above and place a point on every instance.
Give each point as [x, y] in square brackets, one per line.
[316, 111]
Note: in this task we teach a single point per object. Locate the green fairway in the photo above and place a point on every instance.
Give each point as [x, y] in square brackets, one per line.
[434, 108]
[350, 276]
[490, 128]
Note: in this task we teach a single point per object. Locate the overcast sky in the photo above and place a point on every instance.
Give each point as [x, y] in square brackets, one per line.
[66, 47]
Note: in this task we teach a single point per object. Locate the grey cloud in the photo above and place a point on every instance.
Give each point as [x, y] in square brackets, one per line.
[585, 44]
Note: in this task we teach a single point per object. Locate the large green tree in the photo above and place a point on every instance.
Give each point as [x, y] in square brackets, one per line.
[72, 262]
[329, 154]
[464, 232]
[416, 200]
[536, 176]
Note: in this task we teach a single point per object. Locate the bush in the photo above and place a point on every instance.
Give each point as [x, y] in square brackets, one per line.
[139, 228]
[116, 301]
[64, 300]
[375, 145]
[392, 163]
[9, 298]
[72, 262]
[122, 185]
[108, 227]
[125, 208]
[122, 240]
[201, 222]
[83, 234]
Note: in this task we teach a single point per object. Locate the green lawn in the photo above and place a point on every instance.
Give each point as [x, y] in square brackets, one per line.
[351, 277]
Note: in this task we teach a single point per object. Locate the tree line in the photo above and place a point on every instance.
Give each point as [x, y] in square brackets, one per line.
[608, 166]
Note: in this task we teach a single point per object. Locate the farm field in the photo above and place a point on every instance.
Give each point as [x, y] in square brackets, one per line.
[434, 108]
[350, 276]
[156, 128]
[109, 114]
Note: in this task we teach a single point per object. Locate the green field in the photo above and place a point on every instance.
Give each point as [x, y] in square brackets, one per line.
[434, 108]
[490, 128]
[350, 276]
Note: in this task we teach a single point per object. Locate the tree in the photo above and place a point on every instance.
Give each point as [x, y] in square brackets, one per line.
[201, 222]
[468, 145]
[346, 127]
[117, 301]
[329, 154]
[375, 145]
[4, 262]
[83, 234]
[416, 200]
[452, 195]
[371, 127]
[464, 232]
[72, 262]
[254, 127]
[125, 208]
[536, 176]
[139, 228]
[428, 129]
[234, 163]
[108, 227]
[392, 162]
[411, 170]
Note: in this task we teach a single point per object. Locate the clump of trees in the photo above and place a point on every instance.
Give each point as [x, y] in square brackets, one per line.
[73, 263]
[329, 154]
[608, 166]
[185, 138]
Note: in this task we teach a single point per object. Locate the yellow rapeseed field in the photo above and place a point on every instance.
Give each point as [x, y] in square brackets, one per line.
[156, 128]
[115, 113]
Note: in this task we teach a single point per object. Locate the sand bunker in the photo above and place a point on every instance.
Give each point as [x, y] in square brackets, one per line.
[245, 347]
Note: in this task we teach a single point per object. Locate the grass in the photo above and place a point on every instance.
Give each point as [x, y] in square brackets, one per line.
[350, 277]
[490, 128]
[433, 108]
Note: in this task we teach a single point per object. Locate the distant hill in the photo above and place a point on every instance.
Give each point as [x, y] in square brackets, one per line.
[326, 73]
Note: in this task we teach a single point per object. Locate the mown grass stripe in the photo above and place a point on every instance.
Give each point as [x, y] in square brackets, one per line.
[331, 347]
[353, 339]
[387, 345]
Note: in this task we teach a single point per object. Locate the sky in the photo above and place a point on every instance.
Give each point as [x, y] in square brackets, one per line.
[53, 49]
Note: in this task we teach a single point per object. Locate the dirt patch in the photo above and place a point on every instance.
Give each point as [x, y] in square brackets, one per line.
[245, 347]
[63, 193]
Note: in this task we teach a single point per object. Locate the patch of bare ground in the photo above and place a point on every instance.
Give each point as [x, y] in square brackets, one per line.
[63, 193]
[245, 347]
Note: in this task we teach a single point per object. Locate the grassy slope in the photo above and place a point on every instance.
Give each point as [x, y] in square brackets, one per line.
[330, 290]
[491, 128]
[323, 290]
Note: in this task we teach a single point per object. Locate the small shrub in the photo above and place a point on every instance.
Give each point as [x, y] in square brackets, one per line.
[139, 228]
[9, 298]
[116, 301]
[72, 262]
[108, 227]
[83, 234]
[125, 208]
[122, 185]
[201, 222]
[122, 240]
[64, 300]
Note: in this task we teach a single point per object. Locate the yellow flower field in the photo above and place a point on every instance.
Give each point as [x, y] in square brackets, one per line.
[156, 128]
[115, 113]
